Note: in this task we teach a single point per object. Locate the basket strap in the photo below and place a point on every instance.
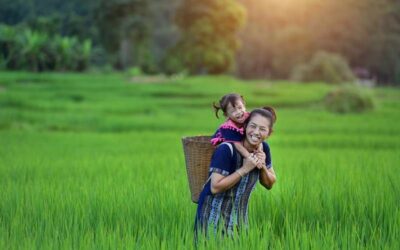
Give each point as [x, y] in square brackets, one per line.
[231, 148]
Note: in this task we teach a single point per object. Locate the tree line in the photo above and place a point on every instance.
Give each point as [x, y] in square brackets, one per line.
[248, 38]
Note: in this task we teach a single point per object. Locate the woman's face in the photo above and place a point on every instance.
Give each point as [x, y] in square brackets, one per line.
[257, 129]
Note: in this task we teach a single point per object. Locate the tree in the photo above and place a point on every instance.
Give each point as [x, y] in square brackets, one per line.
[124, 27]
[208, 34]
[292, 47]
[365, 32]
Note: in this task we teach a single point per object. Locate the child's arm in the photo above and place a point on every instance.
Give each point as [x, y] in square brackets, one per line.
[242, 150]
[261, 156]
[261, 148]
[267, 173]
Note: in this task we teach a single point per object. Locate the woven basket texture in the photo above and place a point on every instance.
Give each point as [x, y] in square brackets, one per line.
[198, 151]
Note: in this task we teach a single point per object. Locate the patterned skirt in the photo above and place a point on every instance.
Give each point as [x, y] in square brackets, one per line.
[226, 212]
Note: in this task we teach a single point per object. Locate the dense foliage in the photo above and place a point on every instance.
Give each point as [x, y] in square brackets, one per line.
[282, 34]
[349, 99]
[22, 48]
[208, 41]
[200, 36]
[326, 67]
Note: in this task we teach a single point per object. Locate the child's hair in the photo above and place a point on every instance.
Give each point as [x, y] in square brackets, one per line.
[267, 112]
[225, 100]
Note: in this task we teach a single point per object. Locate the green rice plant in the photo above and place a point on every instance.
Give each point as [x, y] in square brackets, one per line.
[94, 161]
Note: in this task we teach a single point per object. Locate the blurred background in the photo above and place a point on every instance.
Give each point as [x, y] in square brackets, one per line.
[95, 96]
[301, 40]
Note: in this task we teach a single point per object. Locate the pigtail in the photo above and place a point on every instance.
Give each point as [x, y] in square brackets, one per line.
[217, 108]
[242, 99]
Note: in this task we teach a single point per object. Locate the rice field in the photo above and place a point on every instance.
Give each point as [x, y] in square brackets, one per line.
[95, 161]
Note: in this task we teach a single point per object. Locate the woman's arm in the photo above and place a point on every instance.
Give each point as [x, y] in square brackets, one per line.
[267, 177]
[220, 183]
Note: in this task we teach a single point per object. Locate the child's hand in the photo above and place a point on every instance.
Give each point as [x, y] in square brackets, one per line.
[261, 159]
[257, 161]
[260, 164]
[249, 163]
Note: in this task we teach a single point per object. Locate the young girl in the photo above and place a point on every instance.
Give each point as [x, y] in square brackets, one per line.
[233, 108]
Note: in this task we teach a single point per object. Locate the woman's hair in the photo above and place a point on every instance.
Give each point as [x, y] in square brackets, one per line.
[225, 100]
[267, 112]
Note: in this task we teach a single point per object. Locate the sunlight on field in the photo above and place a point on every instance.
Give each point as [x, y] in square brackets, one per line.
[94, 161]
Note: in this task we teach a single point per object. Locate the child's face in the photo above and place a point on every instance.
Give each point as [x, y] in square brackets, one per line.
[236, 113]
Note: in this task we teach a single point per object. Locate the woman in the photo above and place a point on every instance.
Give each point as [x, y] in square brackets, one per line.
[224, 200]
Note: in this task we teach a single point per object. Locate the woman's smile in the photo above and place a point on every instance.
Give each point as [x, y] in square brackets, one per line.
[257, 130]
[255, 138]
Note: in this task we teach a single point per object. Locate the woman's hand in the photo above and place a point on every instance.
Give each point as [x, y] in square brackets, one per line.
[220, 183]
[249, 163]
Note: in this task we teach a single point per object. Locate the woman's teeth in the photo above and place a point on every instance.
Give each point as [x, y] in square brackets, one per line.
[254, 138]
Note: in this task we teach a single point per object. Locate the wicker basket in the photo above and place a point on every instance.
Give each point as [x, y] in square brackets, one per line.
[198, 151]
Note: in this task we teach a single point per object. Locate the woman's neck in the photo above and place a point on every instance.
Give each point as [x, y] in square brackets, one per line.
[249, 147]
